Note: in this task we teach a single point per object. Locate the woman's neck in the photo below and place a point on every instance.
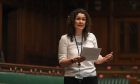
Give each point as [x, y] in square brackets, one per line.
[78, 33]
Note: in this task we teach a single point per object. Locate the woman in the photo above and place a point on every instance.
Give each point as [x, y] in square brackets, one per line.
[77, 69]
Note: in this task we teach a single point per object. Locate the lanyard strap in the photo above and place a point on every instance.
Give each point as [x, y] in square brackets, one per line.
[77, 45]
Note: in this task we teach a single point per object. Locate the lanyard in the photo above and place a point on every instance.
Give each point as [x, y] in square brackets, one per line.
[79, 64]
[77, 45]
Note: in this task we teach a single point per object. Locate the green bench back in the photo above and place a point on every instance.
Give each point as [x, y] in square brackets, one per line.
[113, 80]
[19, 78]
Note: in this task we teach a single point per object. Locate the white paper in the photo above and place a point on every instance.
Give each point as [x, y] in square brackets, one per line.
[91, 53]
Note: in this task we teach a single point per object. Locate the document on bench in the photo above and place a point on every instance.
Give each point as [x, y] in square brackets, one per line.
[91, 53]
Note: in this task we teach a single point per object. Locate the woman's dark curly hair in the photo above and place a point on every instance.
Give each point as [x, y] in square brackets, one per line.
[71, 22]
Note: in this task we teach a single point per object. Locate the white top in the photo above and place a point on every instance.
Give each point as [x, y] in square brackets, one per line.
[68, 49]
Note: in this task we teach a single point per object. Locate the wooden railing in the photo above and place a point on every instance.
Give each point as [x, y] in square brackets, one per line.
[31, 69]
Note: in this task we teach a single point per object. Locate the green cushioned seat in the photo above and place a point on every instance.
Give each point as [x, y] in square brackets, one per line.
[19, 78]
[113, 80]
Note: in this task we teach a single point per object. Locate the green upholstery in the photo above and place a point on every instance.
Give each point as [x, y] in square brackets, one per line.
[113, 80]
[21, 78]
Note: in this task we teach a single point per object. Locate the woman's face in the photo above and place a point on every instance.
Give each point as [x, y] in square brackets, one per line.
[80, 21]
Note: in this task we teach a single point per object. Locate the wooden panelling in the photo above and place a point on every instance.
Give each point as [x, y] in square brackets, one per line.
[100, 29]
[35, 33]
[1, 25]
[11, 37]
[123, 49]
[33, 29]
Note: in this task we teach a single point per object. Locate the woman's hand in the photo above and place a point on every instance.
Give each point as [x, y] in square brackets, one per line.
[102, 59]
[78, 59]
[67, 62]
[108, 57]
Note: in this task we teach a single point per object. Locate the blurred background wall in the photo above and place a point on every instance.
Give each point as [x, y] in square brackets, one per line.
[30, 29]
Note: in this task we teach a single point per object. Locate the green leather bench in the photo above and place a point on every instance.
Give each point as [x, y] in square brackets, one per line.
[29, 74]
[21, 78]
[113, 80]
